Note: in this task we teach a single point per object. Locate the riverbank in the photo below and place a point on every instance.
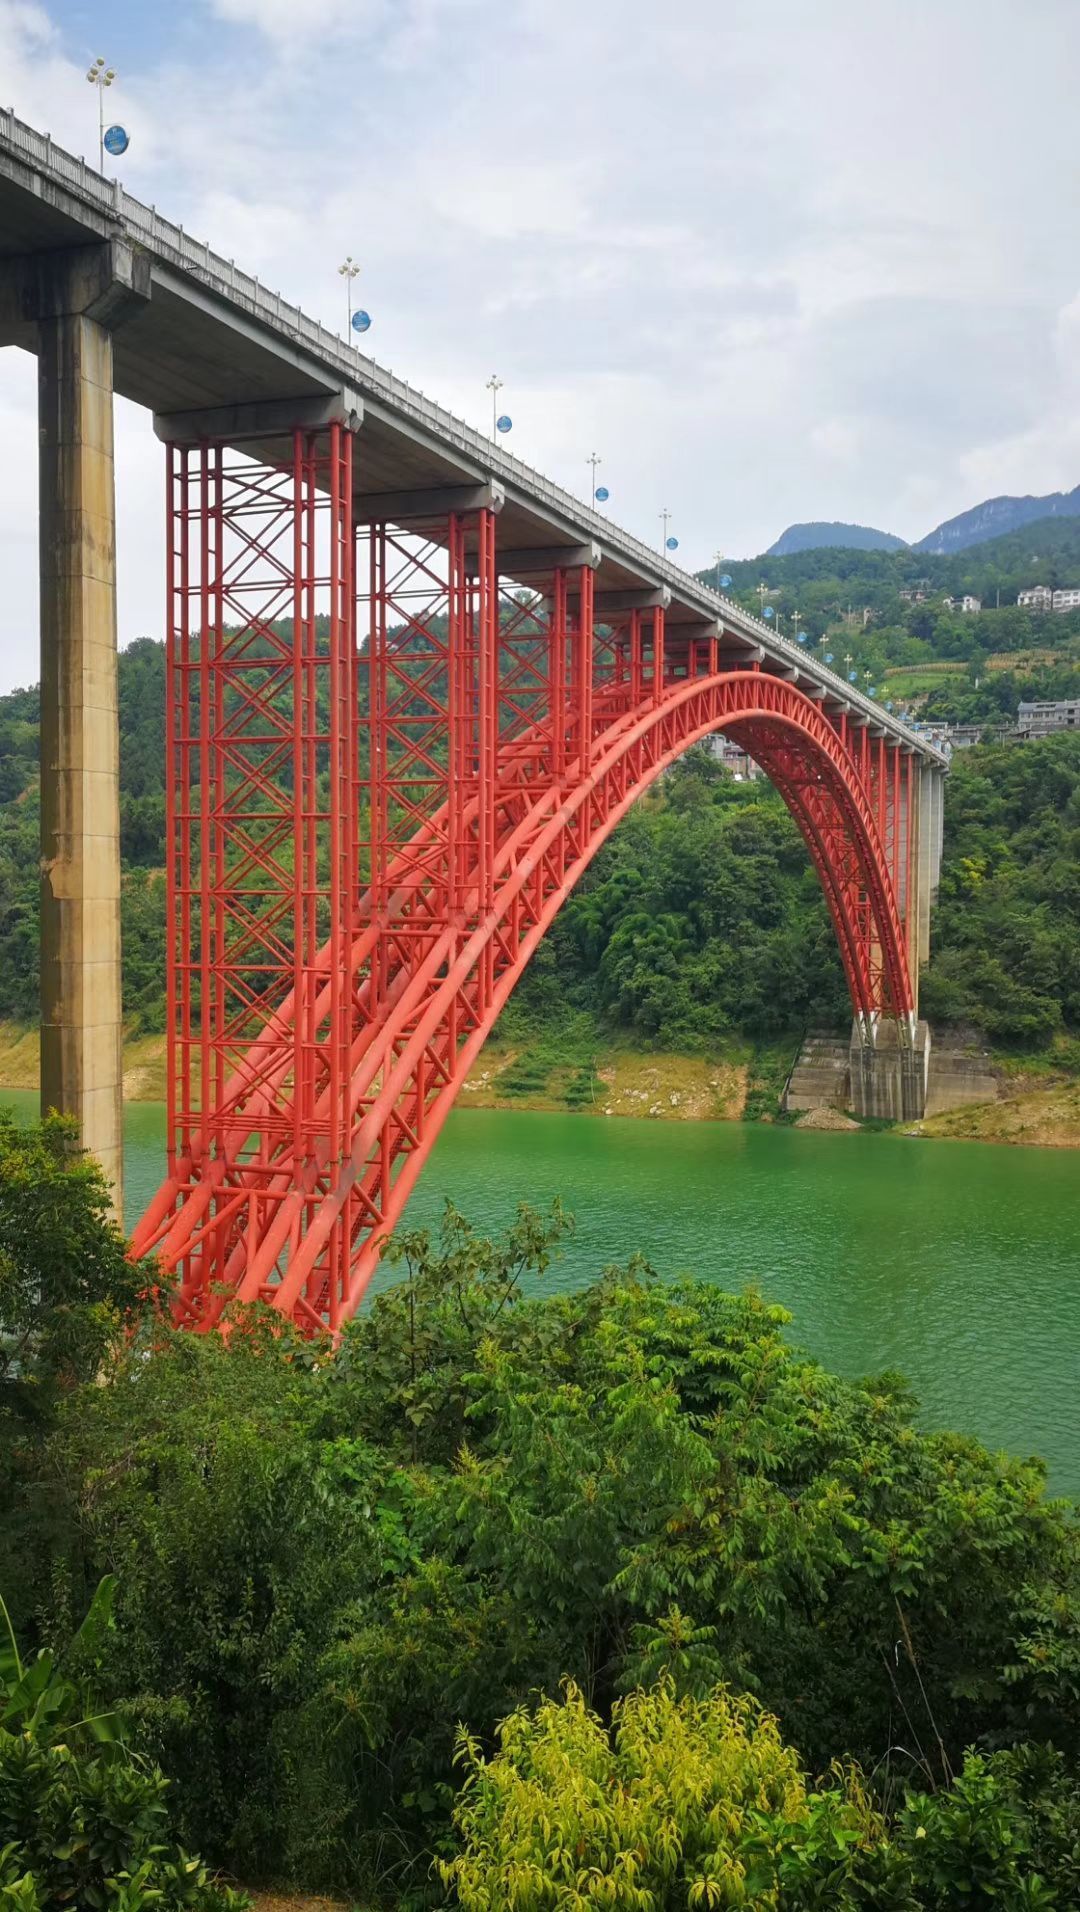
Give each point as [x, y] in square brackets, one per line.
[576, 1071]
[144, 1063]
[573, 1071]
[1047, 1118]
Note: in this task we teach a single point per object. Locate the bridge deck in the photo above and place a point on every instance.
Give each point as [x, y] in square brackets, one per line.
[211, 336]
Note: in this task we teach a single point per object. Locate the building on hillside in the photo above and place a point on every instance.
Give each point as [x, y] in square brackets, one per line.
[970, 604]
[734, 759]
[950, 737]
[1067, 600]
[1043, 719]
[1039, 598]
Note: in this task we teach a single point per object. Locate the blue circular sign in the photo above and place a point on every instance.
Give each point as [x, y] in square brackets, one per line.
[504, 423]
[361, 321]
[889, 704]
[672, 544]
[828, 657]
[601, 494]
[802, 637]
[725, 581]
[116, 141]
[769, 612]
[852, 677]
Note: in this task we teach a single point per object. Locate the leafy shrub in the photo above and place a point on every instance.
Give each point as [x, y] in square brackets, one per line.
[66, 1292]
[684, 1803]
[81, 1824]
[697, 1802]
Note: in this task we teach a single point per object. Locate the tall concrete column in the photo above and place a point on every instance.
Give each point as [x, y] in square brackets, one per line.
[81, 1071]
[75, 299]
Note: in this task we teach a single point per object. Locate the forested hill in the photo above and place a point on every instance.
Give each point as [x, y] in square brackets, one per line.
[991, 519]
[997, 515]
[882, 619]
[142, 840]
[1046, 552]
[699, 919]
[808, 537]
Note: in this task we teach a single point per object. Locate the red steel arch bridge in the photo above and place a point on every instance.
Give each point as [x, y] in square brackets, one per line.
[412, 687]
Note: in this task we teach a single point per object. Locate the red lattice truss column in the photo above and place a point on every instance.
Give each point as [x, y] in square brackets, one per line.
[368, 840]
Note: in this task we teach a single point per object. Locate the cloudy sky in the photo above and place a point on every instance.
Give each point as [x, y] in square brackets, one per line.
[773, 260]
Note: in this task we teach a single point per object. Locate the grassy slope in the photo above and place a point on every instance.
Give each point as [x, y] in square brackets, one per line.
[144, 1063]
[1043, 1118]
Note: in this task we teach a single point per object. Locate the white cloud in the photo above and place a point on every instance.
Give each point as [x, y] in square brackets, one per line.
[773, 262]
[291, 20]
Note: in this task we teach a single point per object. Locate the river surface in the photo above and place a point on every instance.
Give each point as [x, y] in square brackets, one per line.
[956, 1262]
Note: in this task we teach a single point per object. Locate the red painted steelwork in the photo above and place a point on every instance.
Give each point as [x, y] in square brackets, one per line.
[367, 846]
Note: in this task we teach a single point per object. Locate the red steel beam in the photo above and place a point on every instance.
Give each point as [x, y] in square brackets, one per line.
[366, 850]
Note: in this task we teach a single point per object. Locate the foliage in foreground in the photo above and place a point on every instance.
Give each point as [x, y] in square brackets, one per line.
[698, 1803]
[82, 1823]
[327, 1565]
[66, 1287]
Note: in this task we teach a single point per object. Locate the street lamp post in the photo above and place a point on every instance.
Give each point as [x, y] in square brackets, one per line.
[101, 76]
[348, 272]
[665, 516]
[593, 460]
[718, 559]
[494, 386]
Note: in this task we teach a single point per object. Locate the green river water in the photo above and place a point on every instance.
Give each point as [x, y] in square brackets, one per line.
[955, 1262]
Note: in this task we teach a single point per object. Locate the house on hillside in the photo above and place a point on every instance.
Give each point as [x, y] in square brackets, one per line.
[1043, 719]
[1068, 600]
[1039, 598]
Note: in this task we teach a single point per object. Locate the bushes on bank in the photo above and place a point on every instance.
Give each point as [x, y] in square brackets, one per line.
[328, 1564]
[82, 1823]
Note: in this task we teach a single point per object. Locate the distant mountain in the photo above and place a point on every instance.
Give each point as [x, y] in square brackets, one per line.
[993, 519]
[850, 537]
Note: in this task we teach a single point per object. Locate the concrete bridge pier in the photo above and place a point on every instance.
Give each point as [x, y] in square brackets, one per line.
[65, 306]
[890, 1066]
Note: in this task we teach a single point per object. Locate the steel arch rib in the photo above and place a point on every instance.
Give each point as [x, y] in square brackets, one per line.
[416, 1052]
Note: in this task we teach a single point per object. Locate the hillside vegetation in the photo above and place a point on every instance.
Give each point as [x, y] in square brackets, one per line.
[700, 922]
[849, 605]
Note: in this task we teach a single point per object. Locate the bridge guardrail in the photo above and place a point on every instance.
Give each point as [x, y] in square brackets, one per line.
[170, 242]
